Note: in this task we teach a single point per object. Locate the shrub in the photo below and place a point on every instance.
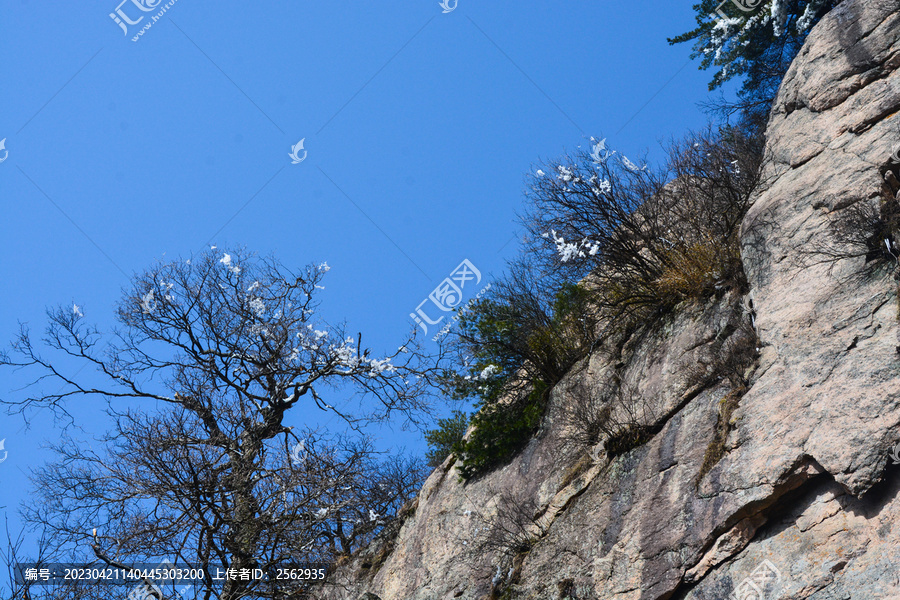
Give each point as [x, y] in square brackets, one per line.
[691, 272]
[513, 529]
[616, 414]
[868, 229]
[647, 244]
[583, 418]
[628, 438]
[514, 346]
[446, 439]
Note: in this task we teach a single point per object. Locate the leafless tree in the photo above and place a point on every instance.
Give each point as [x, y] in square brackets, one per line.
[12, 558]
[227, 345]
[649, 237]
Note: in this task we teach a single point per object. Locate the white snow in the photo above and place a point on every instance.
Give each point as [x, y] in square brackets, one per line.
[805, 20]
[488, 372]
[147, 302]
[565, 174]
[603, 187]
[226, 260]
[376, 367]
[258, 307]
[569, 251]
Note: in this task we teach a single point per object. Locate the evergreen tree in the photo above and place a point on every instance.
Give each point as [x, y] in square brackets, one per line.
[754, 39]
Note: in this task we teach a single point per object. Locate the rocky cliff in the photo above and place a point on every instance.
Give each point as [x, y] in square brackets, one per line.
[775, 483]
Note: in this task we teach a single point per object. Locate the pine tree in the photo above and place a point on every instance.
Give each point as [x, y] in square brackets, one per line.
[754, 39]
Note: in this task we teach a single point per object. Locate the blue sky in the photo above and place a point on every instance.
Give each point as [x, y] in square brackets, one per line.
[420, 127]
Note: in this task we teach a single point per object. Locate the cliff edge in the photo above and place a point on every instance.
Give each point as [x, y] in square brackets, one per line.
[782, 486]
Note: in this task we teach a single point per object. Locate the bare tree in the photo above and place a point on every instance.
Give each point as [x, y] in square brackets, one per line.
[649, 238]
[227, 344]
[12, 558]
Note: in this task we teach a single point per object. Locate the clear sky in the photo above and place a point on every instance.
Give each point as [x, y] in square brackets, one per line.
[419, 127]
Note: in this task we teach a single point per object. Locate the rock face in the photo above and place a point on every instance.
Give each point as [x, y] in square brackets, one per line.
[803, 502]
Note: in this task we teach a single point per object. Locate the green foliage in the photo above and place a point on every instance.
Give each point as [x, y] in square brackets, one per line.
[648, 240]
[520, 341]
[501, 430]
[758, 43]
[447, 437]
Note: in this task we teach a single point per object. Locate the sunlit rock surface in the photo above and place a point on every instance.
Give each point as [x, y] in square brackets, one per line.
[804, 503]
